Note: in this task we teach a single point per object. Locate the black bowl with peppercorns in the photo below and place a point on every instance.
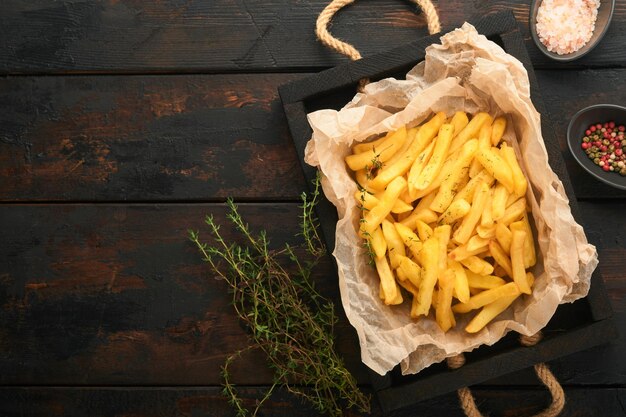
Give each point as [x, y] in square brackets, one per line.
[597, 139]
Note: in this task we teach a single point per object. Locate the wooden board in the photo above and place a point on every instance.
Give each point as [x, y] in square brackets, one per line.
[587, 327]
[108, 294]
[209, 402]
[106, 309]
[47, 36]
[166, 138]
[146, 138]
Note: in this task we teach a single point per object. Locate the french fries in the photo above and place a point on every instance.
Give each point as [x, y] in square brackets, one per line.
[445, 218]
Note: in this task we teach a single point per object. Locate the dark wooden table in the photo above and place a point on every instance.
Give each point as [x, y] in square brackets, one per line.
[122, 123]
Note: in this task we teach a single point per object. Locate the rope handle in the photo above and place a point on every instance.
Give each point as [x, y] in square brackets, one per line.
[321, 29]
[541, 369]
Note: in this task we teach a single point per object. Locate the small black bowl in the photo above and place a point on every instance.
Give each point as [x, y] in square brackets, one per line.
[600, 113]
[605, 13]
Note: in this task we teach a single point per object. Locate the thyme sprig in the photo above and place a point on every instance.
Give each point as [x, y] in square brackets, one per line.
[288, 319]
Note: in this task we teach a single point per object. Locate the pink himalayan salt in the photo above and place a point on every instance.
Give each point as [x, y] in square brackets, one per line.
[565, 26]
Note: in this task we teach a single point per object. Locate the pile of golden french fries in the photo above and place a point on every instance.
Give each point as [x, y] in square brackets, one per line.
[445, 217]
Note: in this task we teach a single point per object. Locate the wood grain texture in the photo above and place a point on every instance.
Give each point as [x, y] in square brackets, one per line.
[195, 137]
[107, 309]
[45, 36]
[114, 294]
[564, 94]
[145, 138]
[208, 401]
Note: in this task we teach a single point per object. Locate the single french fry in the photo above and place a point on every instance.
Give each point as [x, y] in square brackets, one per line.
[433, 300]
[433, 167]
[459, 121]
[414, 306]
[477, 265]
[498, 128]
[477, 243]
[368, 146]
[484, 282]
[427, 216]
[362, 178]
[418, 166]
[429, 258]
[375, 216]
[475, 168]
[388, 283]
[467, 193]
[514, 212]
[443, 312]
[519, 180]
[400, 275]
[503, 235]
[455, 211]
[419, 212]
[487, 297]
[410, 239]
[423, 137]
[501, 257]
[411, 271]
[398, 298]
[484, 142]
[461, 285]
[368, 201]
[530, 257]
[401, 153]
[517, 261]
[486, 219]
[442, 233]
[378, 244]
[401, 207]
[489, 312]
[470, 131]
[486, 232]
[424, 231]
[461, 253]
[378, 155]
[530, 278]
[498, 202]
[464, 232]
[395, 246]
[450, 183]
[496, 166]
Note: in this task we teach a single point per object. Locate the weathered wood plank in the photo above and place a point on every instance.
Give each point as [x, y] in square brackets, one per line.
[109, 294]
[193, 137]
[45, 36]
[145, 138]
[208, 401]
[565, 93]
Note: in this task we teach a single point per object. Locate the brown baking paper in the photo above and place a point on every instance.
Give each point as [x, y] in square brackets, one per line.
[466, 72]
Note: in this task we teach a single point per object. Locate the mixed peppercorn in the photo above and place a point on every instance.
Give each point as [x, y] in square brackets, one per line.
[605, 145]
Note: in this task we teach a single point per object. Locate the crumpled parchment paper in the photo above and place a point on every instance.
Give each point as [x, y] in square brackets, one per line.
[466, 72]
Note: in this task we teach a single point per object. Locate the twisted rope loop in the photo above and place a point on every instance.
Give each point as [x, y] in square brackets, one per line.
[321, 28]
[541, 369]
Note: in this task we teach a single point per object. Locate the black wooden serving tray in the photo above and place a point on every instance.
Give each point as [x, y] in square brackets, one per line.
[574, 327]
